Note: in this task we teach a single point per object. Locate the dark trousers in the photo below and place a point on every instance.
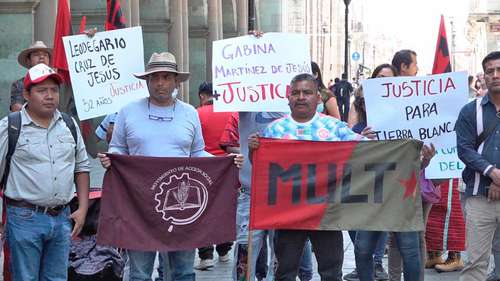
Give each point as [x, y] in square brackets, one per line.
[327, 247]
[207, 253]
[344, 106]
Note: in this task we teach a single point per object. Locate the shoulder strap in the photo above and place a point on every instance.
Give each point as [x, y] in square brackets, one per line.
[486, 133]
[71, 125]
[482, 134]
[13, 132]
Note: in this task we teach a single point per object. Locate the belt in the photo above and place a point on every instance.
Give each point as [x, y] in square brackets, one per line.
[51, 211]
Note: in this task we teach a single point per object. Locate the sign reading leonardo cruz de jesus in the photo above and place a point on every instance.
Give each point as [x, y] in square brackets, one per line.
[422, 108]
[101, 69]
[254, 74]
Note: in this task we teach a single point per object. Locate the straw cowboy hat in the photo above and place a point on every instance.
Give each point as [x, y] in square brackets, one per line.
[162, 62]
[22, 59]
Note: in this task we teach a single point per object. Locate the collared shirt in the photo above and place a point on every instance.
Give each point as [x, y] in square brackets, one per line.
[16, 92]
[320, 128]
[44, 162]
[138, 130]
[466, 130]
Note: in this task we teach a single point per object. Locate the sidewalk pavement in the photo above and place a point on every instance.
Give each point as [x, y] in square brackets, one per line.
[222, 271]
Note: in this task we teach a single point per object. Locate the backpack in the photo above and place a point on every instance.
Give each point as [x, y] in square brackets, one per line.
[13, 132]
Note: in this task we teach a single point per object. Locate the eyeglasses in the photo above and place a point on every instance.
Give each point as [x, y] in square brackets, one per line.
[160, 118]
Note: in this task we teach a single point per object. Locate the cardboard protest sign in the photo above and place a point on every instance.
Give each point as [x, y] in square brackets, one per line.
[101, 70]
[423, 108]
[254, 74]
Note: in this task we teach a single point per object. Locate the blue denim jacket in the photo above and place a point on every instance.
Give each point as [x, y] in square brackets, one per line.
[466, 129]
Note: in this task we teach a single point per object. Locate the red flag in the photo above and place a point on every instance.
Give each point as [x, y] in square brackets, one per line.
[63, 28]
[83, 23]
[114, 18]
[168, 204]
[442, 56]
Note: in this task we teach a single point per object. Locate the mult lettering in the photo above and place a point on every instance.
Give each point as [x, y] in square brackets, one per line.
[320, 188]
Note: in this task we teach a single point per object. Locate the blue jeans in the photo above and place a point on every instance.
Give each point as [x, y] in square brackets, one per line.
[379, 250]
[258, 236]
[306, 266]
[408, 244]
[39, 244]
[177, 265]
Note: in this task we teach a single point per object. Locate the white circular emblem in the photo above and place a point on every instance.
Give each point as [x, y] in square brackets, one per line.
[181, 195]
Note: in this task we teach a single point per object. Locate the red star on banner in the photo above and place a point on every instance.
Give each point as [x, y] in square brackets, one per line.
[410, 186]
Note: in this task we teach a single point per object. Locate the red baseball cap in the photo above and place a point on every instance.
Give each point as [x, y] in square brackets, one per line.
[40, 73]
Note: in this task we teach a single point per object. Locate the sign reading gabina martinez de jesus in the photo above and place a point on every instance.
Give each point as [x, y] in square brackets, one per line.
[101, 70]
[254, 74]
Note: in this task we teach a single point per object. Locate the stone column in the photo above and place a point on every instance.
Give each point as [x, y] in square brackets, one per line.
[242, 13]
[17, 33]
[45, 21]
[178, 41]
[215, 32]
[134, 13]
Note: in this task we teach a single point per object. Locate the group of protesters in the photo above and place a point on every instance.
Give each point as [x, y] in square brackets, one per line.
[43, 155]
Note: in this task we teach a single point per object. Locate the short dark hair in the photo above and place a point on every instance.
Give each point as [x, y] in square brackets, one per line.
[206, 87]
[403, 56]
[491, 56]
[336, 80]
[382, 66]
[304, 77]
[471, 78]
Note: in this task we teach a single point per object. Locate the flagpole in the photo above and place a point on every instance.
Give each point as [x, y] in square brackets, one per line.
[249, 255]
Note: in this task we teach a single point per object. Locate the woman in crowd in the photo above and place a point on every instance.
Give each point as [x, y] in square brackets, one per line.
[329, 103]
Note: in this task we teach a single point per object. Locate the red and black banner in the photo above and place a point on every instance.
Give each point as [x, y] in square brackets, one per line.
[168, 204]
[442, 55]
[114, 15]
[366, 185]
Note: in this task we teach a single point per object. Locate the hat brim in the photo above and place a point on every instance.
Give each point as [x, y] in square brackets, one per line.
[55, 76]
[181, 76]
[22, 59]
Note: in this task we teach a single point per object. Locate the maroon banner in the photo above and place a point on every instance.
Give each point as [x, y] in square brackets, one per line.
[168, 204]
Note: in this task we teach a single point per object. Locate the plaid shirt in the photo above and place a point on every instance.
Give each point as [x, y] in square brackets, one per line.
[16, 92]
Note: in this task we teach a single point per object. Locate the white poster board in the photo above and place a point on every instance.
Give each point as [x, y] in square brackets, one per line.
[254, 74]
[423, 108]
[101, 70]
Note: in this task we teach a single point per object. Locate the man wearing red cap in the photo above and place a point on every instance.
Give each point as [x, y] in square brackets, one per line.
[47, 160]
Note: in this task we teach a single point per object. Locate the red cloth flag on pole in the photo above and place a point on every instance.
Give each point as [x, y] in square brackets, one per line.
[445, 229]
[442, 56]
[114, 18]
[63, 28]
[83, 23]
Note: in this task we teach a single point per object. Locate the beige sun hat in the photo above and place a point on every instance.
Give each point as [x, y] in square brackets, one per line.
[22, 59]
[162, 62]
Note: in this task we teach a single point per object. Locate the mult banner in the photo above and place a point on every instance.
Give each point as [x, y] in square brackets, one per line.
[366, 185]
[168, 204]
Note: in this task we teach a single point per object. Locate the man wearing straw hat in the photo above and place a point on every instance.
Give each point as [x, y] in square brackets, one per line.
[162, 126]
[35, 54]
